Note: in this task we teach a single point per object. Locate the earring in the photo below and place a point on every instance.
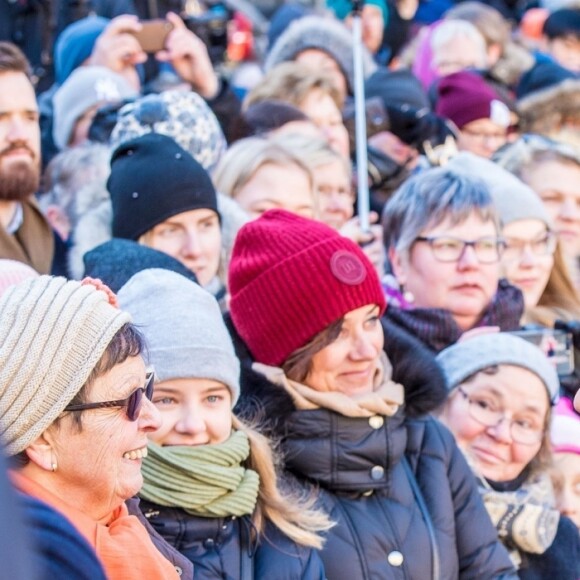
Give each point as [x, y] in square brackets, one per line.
[54, 466]
[408, 296]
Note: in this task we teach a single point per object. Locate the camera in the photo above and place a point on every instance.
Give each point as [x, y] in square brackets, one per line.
[563, 346]
[211, 27]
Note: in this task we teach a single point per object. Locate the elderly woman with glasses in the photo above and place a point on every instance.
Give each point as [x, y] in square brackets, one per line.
[532, 259]
[75, 412]
[502, 389]
[443, 240]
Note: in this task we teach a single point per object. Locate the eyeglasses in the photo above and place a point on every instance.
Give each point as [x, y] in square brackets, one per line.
[486, 137]
[449, 249]
[132, 403]
[541, 246]
[483, 411]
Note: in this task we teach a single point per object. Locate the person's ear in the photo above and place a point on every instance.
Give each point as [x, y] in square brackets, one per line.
[398, 265]
[41, 452]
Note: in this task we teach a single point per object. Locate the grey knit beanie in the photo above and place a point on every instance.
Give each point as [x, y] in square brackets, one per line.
[463, 359]
[513, 199]
[86, 87]
[326, 34]
[183, 325]
[53, 332]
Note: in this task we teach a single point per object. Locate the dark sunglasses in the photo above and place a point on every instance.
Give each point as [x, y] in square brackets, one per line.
[132, 404]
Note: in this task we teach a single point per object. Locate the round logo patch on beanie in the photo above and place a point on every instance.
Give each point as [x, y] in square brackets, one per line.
[347, 267]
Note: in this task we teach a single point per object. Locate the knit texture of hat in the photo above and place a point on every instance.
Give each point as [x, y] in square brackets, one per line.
[13, 272]
[513, 199]
[464, 359]
[184, 328]
[53, 332]
[182, 115]
[115, 262]
[464, 97]
[86, 87]
[325, 34]
[290, 278]
[153, 178]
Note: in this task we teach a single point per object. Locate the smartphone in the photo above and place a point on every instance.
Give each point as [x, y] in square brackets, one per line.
[153, 34]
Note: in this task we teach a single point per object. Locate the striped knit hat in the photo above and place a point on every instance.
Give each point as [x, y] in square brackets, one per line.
[53, 332]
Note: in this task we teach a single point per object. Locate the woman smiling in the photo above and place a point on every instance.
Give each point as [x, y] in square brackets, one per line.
[75, 411]
[211, 488]
[499, 408]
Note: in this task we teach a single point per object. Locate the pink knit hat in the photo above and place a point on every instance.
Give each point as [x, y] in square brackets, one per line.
[13, 272]
[565, 431]
[464, 97]
[291, 277]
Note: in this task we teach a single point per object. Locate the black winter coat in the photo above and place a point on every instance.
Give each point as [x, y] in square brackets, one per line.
[214, 547]
[359, 466]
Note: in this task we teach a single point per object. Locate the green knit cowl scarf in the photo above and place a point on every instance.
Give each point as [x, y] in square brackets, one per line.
[206, 480]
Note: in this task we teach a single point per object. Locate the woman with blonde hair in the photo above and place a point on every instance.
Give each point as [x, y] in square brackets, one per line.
[260, 174]
[313, 92]
[210, 483]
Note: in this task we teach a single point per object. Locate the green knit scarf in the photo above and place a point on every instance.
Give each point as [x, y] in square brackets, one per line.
[205, 480]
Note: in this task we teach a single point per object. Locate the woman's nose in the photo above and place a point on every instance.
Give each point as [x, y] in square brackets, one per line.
[149, 416]
[191, 246]
[501, 431]
[527, 258]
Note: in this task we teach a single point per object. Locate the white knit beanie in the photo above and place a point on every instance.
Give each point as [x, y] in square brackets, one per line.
[53, 333]
[86, 87]
[184, 328]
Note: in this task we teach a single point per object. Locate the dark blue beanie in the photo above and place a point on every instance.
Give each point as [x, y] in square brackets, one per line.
[75, 44]
[152, 179]
[542, 75]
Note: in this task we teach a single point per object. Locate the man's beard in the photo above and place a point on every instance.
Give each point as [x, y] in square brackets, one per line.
[18, 179]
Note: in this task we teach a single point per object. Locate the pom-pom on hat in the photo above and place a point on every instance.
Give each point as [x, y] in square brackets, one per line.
[184, 328]
[464, 97]
[52, 334]
[290, 278]
[152, 179]
[468, 357]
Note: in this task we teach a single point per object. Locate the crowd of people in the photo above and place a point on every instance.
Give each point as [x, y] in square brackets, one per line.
[213, 366]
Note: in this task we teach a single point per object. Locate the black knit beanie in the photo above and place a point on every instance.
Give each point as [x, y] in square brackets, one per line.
[153, 178]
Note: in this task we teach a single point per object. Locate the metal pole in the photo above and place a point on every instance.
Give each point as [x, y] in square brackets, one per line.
[363, 203]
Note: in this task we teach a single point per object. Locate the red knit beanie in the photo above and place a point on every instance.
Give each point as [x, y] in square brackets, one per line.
[464, 97]
[291, 277]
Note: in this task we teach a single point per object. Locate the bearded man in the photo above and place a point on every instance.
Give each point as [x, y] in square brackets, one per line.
[24, 233]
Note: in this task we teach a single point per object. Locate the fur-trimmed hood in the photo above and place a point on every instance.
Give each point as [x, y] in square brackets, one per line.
[547, 110]
[326, 34]
[414, 366]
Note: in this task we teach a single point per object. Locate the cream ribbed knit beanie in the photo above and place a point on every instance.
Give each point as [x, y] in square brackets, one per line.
[52, 334]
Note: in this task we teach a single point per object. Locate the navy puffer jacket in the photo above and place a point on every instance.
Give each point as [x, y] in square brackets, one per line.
[362, 466]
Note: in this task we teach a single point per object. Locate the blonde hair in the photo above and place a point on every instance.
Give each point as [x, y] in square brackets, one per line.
[246, 156]
[292, 82]
[559, 300]
[488, 21]
[293, 513]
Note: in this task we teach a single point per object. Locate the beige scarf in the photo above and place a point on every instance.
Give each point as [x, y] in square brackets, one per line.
[385, 399]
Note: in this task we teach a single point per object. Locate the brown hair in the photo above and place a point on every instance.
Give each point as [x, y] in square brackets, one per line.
[299, 364]
[12, 59]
